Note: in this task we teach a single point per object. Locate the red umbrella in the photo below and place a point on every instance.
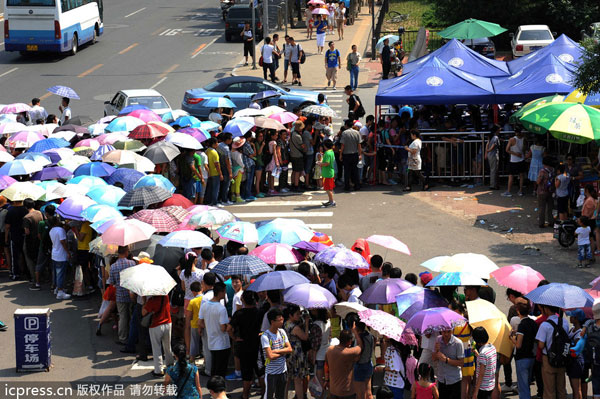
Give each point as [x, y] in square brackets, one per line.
[162, 220]
[148, 131]
[178, 200]
[322, 238]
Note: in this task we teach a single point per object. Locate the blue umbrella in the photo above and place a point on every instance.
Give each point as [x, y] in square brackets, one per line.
[560, 295]
[263, 95]
[209, 125]
[98, 212]
[278, 280]
[123, 124]
[284, 231]
[247, 265]
[126, 177]
[186, 121]
[172, 115]
[155, 180]
[238, 127]
[52, 173]
[38, 157]
[416, 298]
[103, 149]
[48, 144]
[64, 91]
[20, 167]
[456, 279]
[219, 102]
[130, 108]
[87, 181]
[106, 195]
[98, 169]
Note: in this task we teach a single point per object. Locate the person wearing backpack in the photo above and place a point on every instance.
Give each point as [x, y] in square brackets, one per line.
[545, 193]
[589, 346]
[552, 339]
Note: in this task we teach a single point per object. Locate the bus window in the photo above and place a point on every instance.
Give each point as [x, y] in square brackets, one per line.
[30, 3]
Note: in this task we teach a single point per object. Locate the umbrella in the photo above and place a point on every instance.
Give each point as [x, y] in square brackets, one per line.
[316, 2]
[570, 122]
[84, 151]
[389, 242]
[81, 120]
[64, 91]
[38, 157]
[186, 121]
[63, 134]
[72, 207]
[126, 177]
[87, 181]
[209, 125]
[129, 144]
[385, 291]
[106, 119]
[576, 96]
[162, 220]
[414, 299]
[385, 324]
[179, 200]
[98, 169]
[122, 157]
[52, 173]
[66, 191]
[175, 211]
[124, 124]
[520, 278]
[455, 279]
[198, 133]
[276, 254]
[97, 129]
[155, 180]
[97, 247]
[277, 280]
[71, 128]
[128, 231]
[5, 157]
[186, 239]
[6, 181]
[103, 149]
[477, 264]
[314, 247]
[392, 38]
[248, 112]
[130, 108]
[322, 238]
[48, 144]
[172, 115]
[161, 152]
[319, 110]
[111, 138]
[284, 117]
[21, 190]
[484, 314]
[342, 309]
[147, 280]
[472, 29]
[272, 109]
[20, 167]
[340, 256]
[310, 296]
[564, 296]
[246, 265]
[183, 140]
[263, 95]
[282, 231]
[144, 196]
[147, 115]
[106, 195]
[242, 232]
[268, 123]
[434, 319]
[219, 102]
[149, 131]
[99, 212]
[73, 162]
[525, 109]
[15, 108]
[320, 11]
[238, 127]
[11, 127]
[24, 139]
[212, 217]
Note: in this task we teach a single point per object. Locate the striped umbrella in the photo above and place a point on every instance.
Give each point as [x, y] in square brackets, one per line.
[144, 196]
[103, 149]
[159, 218]
[64, 91]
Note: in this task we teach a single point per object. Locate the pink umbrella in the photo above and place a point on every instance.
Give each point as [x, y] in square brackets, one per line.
[146, 115]
[520, 278]
[320, 11]
[15, 108]
[277, 254]
[388, 325]
[128, 231]
[12, 127]
[91, 143]
[106, 119]
[284, 117]
[111, 138]
[389, 242]
[316, 2]
[24, 139]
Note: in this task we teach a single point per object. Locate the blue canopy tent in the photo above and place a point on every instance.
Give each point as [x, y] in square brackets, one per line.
[435, 82]
[456, 54]
[546, 76]
[563, 48]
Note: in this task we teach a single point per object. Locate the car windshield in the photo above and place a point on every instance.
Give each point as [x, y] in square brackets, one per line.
[238, 13]
[152, 102]
[535, 35]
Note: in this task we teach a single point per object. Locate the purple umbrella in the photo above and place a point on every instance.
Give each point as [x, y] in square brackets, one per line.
[52, 173]
[434, 319]
[416, 298]
[340, 256]
[197, 133]
[310, 246]
[385, 291]
[278, 280]
[72, 207]
[310, 296]
[6, 181]
[127, 177]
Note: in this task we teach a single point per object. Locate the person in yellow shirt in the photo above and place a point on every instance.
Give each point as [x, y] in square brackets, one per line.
[83, 232]
[191, 314]
[215, 176]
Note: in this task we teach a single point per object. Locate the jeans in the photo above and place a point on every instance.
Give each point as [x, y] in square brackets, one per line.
[524, 376]
[271, 68]
[354, 76]
[59, 272]
[224, 186]
[350, 162]
[247, 187]
[584, 252]
[212, 190]
[188, 188]
[134, 325]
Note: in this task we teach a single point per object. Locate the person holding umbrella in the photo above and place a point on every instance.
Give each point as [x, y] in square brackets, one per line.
[160, 331]
[65, 111]
[321, 27]
[386, 59]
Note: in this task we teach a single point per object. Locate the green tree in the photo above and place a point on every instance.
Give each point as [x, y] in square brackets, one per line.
[587, 76]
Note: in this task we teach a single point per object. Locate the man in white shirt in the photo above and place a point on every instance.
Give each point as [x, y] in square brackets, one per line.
[554, 378]
[213, 317]
[60, 256]
[268, 53]
[348, 290]
[295, 58]
[65, 111]
[37, 112]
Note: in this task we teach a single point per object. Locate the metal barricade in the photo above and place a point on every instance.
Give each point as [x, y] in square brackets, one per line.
[454, 155]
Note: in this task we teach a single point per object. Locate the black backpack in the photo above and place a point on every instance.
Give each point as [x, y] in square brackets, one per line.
[591, 351]
[558, 352]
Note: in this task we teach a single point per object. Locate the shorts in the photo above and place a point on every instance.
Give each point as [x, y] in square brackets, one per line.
[320, 364]
[248, 50]
[576, 368]
[331, 73]
[363, 371]
[339, 23]
[517, 168]
[286, 65]
[200, 188]
[83, 257]
[259, 167]
[296, 69]
[195, 342]
[297, 164]
[562, 204]
[248, 363]
[328, 183]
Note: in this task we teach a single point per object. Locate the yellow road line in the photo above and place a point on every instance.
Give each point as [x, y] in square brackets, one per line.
[128, 48]
[92, 69]
[168, 71]
[200, 47]
[45, 96]
[162, 28]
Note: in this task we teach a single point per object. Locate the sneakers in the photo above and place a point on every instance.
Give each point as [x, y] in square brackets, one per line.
[273, 192]
[62, 295]
[35, 287]
[260, 195]
[239, 200]
[328, 83]
[234, 377]
[506, 194]
[55, 290]
[228, 203]
[520, 193]
[328, 204]
[250, 199]
[392, 181]
[508, 388]
[285, 190]
[334, 88]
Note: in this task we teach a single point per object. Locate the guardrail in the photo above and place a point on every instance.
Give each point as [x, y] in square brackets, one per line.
[434, 41]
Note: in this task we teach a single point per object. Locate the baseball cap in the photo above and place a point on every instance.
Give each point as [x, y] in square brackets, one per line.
[577, 313]
[358, 124]
[425, 277]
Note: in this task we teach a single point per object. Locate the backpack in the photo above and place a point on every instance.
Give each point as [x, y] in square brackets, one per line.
[360, 112]
[559, 349]
[591, 350]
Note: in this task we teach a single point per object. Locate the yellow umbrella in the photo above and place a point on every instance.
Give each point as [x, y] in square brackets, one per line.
[484, 314]
[591, 99]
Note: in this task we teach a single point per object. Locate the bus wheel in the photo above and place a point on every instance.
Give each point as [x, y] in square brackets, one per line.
[75, 45]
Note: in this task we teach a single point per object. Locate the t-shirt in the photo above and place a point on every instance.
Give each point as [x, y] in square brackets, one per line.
[224, 155]
[295, 53]
[246, 325]
[267, 53]
[237, 301]
[296, 142]
[194, 308]
[341, 364]
[161, 308]
[527, 328]
[214, 315]
[287, 50]
[494, 141]
[414, 160]
[486, 364]
[306, 139]
[386, 54]
[321, 26]
[350, 138]
[329, 170]
[395, 368]
[563, 188]
[325, 328]
[58, 234]
[354, 294]
[195, 275]
[201, 162]
[14, 217]
[546, 330]
[332, 58]
[66, 115]
[31, 221]
[213, 159]
[447, 373]
[583, 235]
[84, 245]
[274, 341]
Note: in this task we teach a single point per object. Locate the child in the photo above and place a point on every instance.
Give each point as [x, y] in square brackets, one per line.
[424, 388]
[237, 169]
[328, 172]
[584, 251]
[317, 174]
[395, 373]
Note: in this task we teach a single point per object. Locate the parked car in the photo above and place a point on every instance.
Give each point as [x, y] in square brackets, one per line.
[237, 16]
[483, 46]
[592, 32]
[529, 38]
[240, 89]
[147, 97]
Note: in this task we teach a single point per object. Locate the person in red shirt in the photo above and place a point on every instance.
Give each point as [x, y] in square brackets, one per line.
[160, 331]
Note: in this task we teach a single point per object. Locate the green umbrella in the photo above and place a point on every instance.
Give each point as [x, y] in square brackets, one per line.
[570, 122]
[527, 108]
[472, 29]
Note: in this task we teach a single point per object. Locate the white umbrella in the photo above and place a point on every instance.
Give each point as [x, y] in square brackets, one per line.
[186, 239]
[183, 140]
[147, 280]
[343, 308]
[248, 112]
[63, 134]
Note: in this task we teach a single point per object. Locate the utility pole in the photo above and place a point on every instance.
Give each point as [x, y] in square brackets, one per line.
[252, 7]
[373, 38]
[265, 18]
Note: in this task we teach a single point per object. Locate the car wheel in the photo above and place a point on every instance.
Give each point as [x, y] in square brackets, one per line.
[75, 44]
[227, 37]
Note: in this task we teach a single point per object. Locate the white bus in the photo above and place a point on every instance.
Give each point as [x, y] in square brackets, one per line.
[51, 25]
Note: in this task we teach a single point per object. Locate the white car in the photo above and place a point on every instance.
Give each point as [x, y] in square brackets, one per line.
[529, 38]
[146, 97]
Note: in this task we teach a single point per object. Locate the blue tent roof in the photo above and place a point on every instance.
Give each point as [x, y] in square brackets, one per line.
[563, 48]
[546, 76]
[435, 82]
[456, 54]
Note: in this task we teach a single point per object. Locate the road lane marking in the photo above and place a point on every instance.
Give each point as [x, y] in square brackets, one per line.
[45, 96]
[159, 82]
[135, 12]
[158, 30]
[7, 72]
[91, 70]
[200, 47]
[255, 215]
[320, 226]
[200, 50]
[128, 48]
[282, 203]
[168, 71]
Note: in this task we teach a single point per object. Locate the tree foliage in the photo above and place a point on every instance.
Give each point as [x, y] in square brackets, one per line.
[587, 76]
